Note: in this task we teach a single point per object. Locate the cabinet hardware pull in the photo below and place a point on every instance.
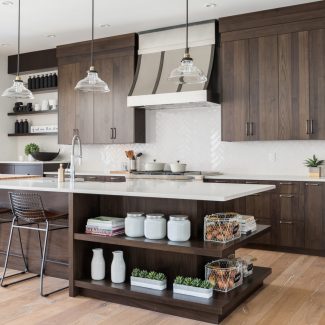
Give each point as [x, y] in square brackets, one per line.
[311, 126]
[256, 194]
[312, 184]
[247, 129]
[286, 183]
[251, 128]
[286, 222]
[250, 182]
[288, 196]
[114, 133]
[307, 127]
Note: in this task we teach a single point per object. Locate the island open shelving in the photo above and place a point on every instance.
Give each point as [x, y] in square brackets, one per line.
[171, 258]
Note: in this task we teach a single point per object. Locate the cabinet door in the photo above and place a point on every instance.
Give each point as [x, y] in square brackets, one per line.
[103, 103]
[317, 83]
[235, 91]
[293, 86]
[67, 74]
[290, 234]
[263, 88]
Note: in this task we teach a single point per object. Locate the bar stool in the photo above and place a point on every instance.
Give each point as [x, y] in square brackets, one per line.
[28, 210]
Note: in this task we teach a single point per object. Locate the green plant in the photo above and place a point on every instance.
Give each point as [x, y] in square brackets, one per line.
[179, 280]
[187, 281]
[31, 147]
[148, 275]
[193, 282]
[136, 272]
[313, 162]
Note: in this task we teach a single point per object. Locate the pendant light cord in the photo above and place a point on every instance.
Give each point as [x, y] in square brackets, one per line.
[92, 33]
[18, 56]
[187, 51]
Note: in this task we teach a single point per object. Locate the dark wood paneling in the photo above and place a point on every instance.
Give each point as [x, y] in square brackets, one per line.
[235, 91]
[263, 87]
[290, 234]
[7, 169]
[33, 61]
[293, 86]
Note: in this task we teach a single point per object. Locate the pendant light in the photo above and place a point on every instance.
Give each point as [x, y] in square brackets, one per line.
[18, 90]
[187, 72]
[92, 82]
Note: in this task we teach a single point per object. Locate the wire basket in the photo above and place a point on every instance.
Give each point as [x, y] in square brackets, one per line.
[222, 227]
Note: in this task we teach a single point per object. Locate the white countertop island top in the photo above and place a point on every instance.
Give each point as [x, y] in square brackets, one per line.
[188, 190]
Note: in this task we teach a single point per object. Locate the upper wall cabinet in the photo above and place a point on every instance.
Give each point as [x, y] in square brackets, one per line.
[99, 118]
[273, 74]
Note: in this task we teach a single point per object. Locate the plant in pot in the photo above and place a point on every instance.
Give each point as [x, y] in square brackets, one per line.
[314, 165]
[193, 287]
[151, 280]
[29, 149]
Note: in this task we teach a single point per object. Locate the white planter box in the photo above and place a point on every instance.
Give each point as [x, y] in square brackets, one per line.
[192, 291]
[148, 283]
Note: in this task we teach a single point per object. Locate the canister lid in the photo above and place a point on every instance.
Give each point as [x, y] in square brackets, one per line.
[155, 215]
[135, 214]
[178, 217]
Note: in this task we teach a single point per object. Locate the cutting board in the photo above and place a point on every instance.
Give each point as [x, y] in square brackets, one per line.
[14, 176]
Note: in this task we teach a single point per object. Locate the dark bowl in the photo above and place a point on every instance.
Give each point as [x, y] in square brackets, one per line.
[45, 156]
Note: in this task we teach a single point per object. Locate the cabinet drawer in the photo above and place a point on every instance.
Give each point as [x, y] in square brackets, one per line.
[291, 234]
[285, 187]
[29, 169]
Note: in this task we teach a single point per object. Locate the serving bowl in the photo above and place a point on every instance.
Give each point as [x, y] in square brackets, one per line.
[45, 156]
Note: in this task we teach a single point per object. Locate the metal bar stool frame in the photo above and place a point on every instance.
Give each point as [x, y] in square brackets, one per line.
[29, 208]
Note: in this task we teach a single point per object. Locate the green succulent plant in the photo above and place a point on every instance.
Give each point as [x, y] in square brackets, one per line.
[136, 272]
[179, 280]
[31, 147]
[148, 275]
[313, 162]
[193, 282]
[160, 276]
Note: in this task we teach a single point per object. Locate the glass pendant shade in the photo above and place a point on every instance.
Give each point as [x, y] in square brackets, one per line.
[18, 90]
[187, 73]
[92, 83]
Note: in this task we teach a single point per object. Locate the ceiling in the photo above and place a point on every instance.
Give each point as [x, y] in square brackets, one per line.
[70, 20]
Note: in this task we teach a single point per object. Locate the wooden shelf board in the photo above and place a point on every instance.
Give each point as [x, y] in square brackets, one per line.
[33, 112]
[30, 134]
[220, 303]
[192, 247]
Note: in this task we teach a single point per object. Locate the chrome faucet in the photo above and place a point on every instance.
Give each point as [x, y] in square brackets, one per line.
[75, 140]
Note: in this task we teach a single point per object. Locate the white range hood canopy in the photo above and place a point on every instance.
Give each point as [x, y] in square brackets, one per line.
[160, 52]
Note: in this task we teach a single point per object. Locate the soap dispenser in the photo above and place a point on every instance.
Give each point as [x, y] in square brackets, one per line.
[61, 174]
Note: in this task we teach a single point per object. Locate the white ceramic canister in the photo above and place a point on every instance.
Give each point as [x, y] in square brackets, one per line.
[134, 224]
[178, 228]
[118, 267]
[155, 226]
[98, 265]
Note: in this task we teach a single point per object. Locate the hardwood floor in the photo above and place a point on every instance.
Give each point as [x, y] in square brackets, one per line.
[293, 294]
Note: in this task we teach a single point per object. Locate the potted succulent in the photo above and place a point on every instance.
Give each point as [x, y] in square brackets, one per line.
[29, 148]
[151, 280]
[314, 165]
[193, 287]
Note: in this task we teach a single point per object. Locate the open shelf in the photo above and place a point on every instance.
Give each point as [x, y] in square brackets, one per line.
[44, 90]
[220, 304]
[30, 134]
[34, 112]
[192, 247]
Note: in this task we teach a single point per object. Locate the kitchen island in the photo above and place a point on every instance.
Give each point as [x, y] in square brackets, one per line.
[192, 198]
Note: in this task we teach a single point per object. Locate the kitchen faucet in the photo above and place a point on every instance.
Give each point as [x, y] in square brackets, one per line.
[75, 140]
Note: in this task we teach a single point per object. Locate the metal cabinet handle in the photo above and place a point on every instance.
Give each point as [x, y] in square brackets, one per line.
[247, 129]
[311, 130]
[286, 183]
[286, 222]
[114, 133]
[287, 196]
[251, 129]
[250, 182]
[312, 184]
[307, 127]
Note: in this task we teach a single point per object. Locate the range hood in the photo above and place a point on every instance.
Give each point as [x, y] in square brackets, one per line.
[160, 51]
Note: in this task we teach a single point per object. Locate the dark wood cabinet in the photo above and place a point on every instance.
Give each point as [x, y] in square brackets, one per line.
[101, 118]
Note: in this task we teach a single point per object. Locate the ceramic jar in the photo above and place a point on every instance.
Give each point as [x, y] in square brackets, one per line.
[155, 226]
[134, 224]
[178, 228]
[118, 267]
[98, 265]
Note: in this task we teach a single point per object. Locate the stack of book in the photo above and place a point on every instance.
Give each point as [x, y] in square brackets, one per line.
[247, 224]
[105, 226]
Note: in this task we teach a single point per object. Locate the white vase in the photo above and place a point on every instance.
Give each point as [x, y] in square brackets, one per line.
[98, 265]
[118, 267]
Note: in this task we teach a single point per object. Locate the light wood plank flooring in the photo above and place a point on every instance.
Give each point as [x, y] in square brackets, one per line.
[293, 294]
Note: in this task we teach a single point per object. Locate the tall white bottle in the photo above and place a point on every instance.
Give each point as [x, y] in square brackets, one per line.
[118, 267]
[98, 265]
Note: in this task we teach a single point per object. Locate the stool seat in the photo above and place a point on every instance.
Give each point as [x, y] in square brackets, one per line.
[38, 216]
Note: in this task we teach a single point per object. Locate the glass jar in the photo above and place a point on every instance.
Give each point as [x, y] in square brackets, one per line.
[178, 228]
[155, 226]
[134, 224]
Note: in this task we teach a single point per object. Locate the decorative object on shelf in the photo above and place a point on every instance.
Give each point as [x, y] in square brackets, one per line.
[92, 82]
[44, 156]
[18, 90]
[61, 174]
[187, 72]
[21, 126]
[42, 81]
[105, 226]
[178, 228]
[177, 167]
[44, 129]
[154, 166]
[98, 265]
[17, 127]
[45, 105]
[155, 226]
[37, 107]
[314, 165]
[25, 126]
[222, 227]
[152, 280]
[118, 267]
[193, 287]
[247, 224]
[247, 265]
[18, 107]
[224, 274]
[53, 104]
[29, 149]
[134, 224]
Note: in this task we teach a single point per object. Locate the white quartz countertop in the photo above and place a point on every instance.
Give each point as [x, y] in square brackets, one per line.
[289, 178]
[190, 190]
